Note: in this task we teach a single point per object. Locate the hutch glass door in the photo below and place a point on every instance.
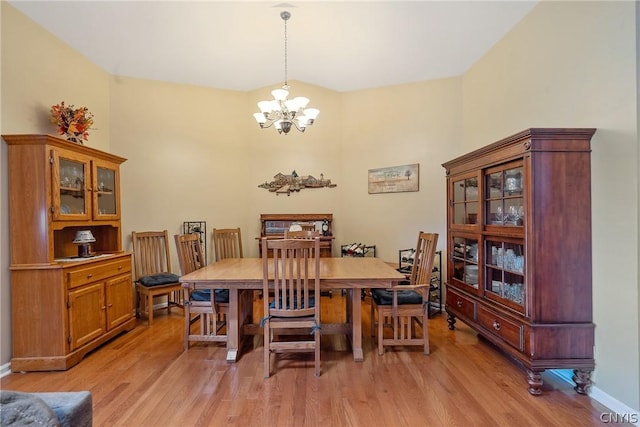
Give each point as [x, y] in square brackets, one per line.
[105, 192]
[70, 187]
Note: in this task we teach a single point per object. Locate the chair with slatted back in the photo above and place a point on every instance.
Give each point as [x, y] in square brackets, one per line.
[309, 233]
[292, 275]
[198, 304]
[153, 272]
[227, 243]
[406, 306]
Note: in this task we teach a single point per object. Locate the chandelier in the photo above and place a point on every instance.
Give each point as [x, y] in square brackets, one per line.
[283, 113]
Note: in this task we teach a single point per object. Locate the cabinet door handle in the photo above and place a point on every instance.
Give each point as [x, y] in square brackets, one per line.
[459, 303]
[496, 325]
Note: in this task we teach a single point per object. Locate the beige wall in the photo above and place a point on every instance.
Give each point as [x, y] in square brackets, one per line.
[185, 147]
[191, 156]
[39, 71]
[196, 153]
[574, 65]
[398, 125]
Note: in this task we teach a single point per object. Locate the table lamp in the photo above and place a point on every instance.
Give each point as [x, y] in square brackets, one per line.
[84, 238]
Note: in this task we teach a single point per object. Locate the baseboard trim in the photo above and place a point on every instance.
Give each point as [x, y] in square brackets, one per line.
[5, 369]
[619, 411]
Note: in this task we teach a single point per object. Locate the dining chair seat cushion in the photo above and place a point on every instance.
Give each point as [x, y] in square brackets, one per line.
[312, 303]
[158, 279]
[222, 295]
[385, 297]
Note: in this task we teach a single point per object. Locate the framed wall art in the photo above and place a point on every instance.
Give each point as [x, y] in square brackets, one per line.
[394, 179]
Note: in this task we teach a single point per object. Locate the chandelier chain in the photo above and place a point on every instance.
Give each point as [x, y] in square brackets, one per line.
[285, 54]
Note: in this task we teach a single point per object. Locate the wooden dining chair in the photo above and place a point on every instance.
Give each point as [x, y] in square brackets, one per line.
[295, 282]
[153, 276]
[198, 304]
[310, 233]
[405, 306]
[227, 243]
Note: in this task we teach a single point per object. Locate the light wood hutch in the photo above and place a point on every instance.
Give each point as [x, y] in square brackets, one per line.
[64, 306]
[273, 226]
[519, 249]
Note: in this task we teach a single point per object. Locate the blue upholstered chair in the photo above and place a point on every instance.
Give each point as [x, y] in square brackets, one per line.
[153, 272]
[293, 275]
[406, 306]
[198, 304]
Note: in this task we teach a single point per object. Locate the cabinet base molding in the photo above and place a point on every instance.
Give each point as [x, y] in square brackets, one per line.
[62, 363]
[582, 367]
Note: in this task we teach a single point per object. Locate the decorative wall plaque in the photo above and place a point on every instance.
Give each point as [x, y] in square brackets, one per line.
[394, 179]
[286, 184]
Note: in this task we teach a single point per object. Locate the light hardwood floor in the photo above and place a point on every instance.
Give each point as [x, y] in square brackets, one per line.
[144, 378]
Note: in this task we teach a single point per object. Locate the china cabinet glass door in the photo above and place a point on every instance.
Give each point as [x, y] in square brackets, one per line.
[505, 272]
[465, 261]
[465, 201]
[504, 196]
[105, 191]
[70, 192]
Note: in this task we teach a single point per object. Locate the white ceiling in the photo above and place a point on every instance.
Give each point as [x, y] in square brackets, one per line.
[239, 45]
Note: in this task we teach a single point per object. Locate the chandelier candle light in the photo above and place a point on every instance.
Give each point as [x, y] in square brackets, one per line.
[283, 113]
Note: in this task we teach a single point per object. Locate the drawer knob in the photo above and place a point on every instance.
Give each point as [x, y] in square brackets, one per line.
[89, 276]
[459, 303]
[496, 325]
[119, 267]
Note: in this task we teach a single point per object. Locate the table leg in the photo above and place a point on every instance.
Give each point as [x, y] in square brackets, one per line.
[233, 327]
[356, 322]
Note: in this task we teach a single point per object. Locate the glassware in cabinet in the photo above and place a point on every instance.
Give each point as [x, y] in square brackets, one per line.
[504, 196]
[464, 260]
[505, 272]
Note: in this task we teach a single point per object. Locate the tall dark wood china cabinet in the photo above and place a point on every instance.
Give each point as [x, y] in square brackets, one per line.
[519, 249]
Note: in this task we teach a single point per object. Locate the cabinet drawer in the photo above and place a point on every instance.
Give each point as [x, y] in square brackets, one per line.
[503, 327]
[100, 271]
[461, 305]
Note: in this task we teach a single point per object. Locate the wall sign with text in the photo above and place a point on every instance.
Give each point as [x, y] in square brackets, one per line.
[394, 179]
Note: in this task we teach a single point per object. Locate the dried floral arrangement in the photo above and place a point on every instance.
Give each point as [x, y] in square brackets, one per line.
[72, 122]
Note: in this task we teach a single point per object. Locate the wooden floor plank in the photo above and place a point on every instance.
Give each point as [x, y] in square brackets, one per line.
[144, 378]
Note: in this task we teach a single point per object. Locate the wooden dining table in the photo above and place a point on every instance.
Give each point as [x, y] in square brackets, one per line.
[351, 274]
